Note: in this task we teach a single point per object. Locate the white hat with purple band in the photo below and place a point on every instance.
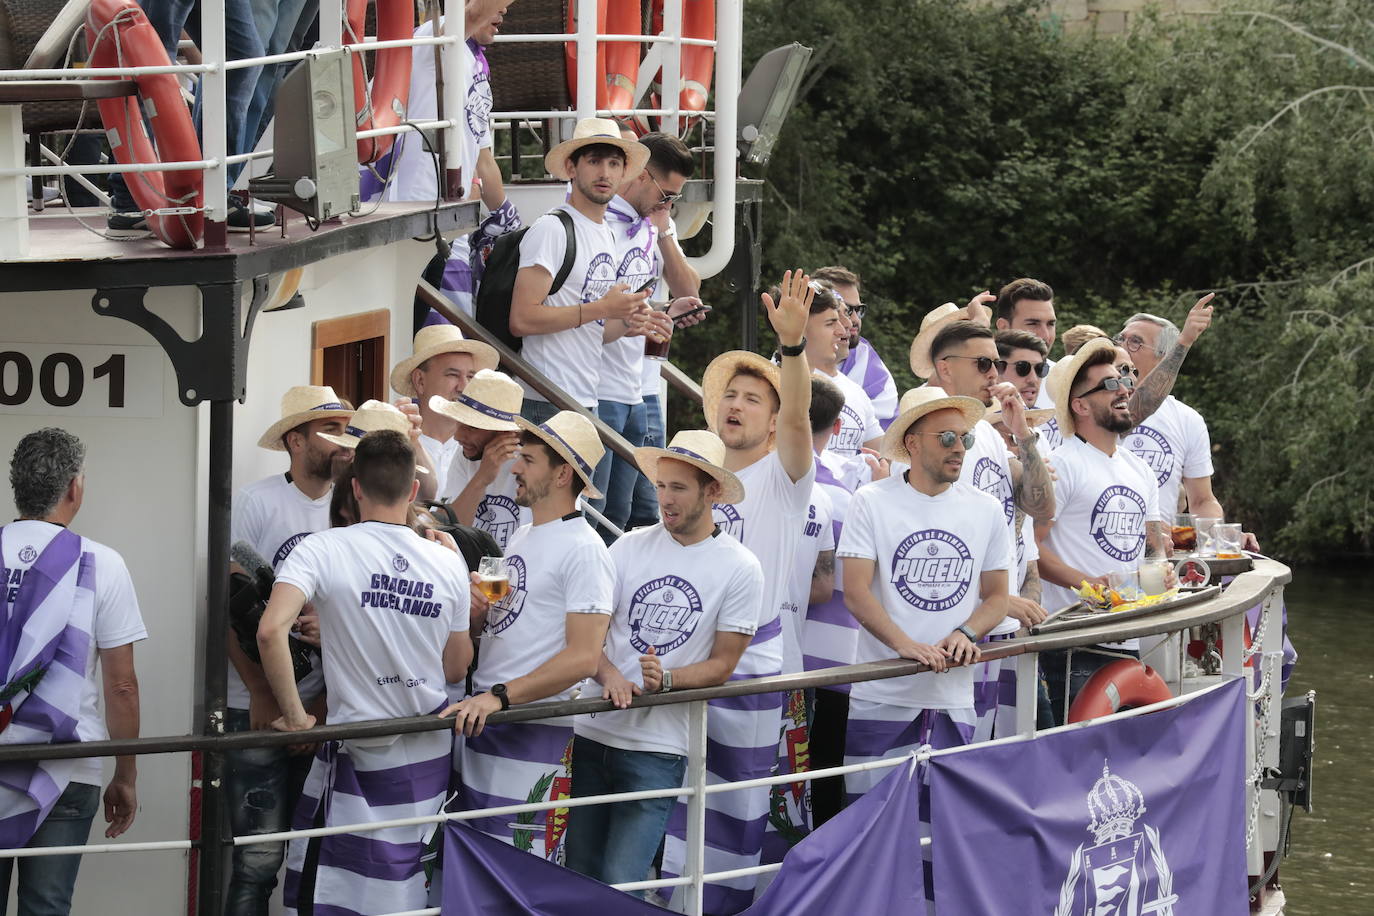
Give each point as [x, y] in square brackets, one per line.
[301, 405]
[574, 438]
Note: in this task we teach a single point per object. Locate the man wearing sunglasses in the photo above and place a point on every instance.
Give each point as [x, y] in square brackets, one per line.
[1028, 305]
[1108, 515]
[862, 364]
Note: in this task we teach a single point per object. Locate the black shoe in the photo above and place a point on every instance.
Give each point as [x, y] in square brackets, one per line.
[132, 225]
[241, 218]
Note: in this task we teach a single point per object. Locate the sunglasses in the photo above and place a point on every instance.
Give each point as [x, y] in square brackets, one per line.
[984, 364]
[1125, 383]
[1128, 370]
[856, 311]
[664, 196]
[949, 437]
[1024, 367]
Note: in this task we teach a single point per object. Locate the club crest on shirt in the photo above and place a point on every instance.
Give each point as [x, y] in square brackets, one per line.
[286, 547]
[1118, 523]
[499, 516]
[664, 613]
[400, 563]
[1151, 447]
[600, 277]
[479, 104]
[728, 518]
[635, 269]
[849, 439]
[504, 612]
[991, 478]
[1050, 435]
[27, 554]
[932, 570]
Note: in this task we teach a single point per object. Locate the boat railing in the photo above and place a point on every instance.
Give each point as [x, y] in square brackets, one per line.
[665, 49]
[1258, 663]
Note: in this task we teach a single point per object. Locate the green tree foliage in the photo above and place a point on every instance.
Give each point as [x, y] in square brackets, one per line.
[942, 148]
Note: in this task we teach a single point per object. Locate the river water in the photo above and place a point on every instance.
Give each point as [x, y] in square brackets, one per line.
[1331, 868]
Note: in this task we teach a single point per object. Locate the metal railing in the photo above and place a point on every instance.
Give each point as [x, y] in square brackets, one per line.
[665, 50]
[1263, 585]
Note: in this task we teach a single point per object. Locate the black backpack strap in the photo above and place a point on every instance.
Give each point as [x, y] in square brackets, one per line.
[569, 250]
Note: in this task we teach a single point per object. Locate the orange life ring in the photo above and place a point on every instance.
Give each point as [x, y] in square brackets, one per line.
[1122, 684]
[617, 62]
[698, 62]
[1197, 648]
[390, 93]
[119, 35]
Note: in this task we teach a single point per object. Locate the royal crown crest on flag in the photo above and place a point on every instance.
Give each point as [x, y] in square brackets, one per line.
[1124, 872]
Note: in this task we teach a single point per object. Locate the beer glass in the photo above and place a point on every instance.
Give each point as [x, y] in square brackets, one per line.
[493, 580]
[1205, 526]
[658, 349]
[1227, 539]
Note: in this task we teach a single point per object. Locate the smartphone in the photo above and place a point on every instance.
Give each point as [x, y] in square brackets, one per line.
[648, 286]
[690, 314]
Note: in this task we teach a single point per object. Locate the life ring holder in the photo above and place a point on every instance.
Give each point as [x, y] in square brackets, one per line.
[119, 35]
[1122, 684]
[617, 62]
[383, 102]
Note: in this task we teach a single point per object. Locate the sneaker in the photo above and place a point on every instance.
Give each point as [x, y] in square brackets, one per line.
[241, 218]
[128, 226]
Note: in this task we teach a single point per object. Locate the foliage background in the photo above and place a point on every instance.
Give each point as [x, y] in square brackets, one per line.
[940, 149]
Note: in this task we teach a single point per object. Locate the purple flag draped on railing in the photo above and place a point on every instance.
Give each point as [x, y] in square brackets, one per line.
[1139, 816]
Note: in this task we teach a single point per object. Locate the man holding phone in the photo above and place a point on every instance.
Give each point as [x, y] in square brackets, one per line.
[636, 215]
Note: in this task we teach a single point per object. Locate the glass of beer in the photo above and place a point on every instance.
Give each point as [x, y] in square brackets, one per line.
[1184, 533]
[658, 349]
[493, 578]
[1227, 539]
[1206, 526]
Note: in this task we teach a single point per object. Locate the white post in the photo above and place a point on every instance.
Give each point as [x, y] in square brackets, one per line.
[672, 67]
[1233, 666]
[729, 25]
[1270, 657]
[457, 78]
[1027, 682]
[331, 23]
[14, 201]
[695, 867]
[214, 118]
[586, 59]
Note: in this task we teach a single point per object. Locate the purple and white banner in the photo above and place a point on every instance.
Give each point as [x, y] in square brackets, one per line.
[1142, 816]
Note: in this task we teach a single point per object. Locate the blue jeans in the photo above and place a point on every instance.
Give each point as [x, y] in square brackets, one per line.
[537, 411]
[1084, 664]
[263, 785]
[644, 502]
[614, 475]
[168, 18]
[277, 22]
[615, 843]
[46, 882]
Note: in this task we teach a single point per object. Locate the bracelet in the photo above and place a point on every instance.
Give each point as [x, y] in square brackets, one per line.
[798, 350]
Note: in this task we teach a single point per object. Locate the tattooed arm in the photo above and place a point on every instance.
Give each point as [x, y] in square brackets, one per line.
[1156, 386]
[823, 577]
[1031, 482]
[1032, 587]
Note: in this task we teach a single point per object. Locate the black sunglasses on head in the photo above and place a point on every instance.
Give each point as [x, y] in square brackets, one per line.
[983, 363]
[1024, 367]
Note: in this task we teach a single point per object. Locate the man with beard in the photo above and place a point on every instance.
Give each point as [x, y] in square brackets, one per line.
[926, 560]
[272, 516]
[440, 366]
[1108, 514]
[565, 329]
[641, 258]
[541, 639]
[760, 411]
[862, 364]
[686, 606]
[481, 480]
[827, 342]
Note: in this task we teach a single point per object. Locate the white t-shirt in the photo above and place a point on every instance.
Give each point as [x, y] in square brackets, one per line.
[387, 600]
[818, 535]
[830, 634]
[675, 599]
[441, 455]
[858, 422]
[1050, 436]
[930, 552]
[769, 522]
[1025, 549]
[557, 568]
[987, 467]
[570, 358]
[116, 620]
[1102, 503]
[274, 517]
[637, 262]
[1175, 443]
[497, 514]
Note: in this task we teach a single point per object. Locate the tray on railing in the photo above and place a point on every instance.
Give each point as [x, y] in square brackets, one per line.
[1077, 615]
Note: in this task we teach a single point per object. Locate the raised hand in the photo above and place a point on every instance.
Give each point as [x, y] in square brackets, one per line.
[1198, 320]
[788, 316]
[978, 308]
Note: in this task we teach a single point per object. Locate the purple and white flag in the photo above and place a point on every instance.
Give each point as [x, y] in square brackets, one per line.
[44, 647]
[865, 366]
[1144, 815]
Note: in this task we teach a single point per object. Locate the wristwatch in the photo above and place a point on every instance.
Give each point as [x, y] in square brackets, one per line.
[667, 683]
[798, 350]
[968, 633]
[499, 691]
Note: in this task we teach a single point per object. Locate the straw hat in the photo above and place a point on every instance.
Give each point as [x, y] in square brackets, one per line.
[301, 405]
[933, 323]
[491, 400]
[436, 339]
[1034, 416]
[1061, 377]
[701, 449]
[590, 131]
[724, 368]
[915, 404]
[370, 417]
[574, 438]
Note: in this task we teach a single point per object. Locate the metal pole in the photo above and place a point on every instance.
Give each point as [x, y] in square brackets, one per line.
[1027, 680]
[695, 866]
[724, 136]
[672, 66]
[586, 58]
[214, 122]
[212, 824]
